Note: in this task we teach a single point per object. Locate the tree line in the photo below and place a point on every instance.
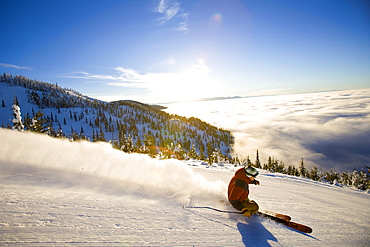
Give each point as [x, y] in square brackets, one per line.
[357, 179]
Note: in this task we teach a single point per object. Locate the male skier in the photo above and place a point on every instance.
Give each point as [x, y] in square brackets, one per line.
[238, 190]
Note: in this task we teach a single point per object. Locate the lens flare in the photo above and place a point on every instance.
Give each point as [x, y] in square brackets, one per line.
[215, 21]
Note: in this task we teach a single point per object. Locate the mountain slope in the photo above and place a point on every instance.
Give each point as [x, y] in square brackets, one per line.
[56, 192]
[128, 125]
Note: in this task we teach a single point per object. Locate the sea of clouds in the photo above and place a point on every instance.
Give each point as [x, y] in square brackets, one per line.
[327, 129]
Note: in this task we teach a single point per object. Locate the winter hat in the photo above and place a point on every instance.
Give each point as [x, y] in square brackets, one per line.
[251, 171]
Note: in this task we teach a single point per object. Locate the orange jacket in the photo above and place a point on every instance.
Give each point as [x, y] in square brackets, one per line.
[238, 188]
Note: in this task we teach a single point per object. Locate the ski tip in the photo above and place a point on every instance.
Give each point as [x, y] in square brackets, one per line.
[299, 227]
[309, 230]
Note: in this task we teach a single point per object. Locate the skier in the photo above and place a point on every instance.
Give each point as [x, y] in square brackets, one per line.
[238, 190]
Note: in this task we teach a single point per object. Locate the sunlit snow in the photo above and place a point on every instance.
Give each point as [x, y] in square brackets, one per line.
[56, 192]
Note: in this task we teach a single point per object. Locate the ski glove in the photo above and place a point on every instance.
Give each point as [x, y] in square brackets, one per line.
[256, 182]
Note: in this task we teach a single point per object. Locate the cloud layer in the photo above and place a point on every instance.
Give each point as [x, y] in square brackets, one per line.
[329, 129]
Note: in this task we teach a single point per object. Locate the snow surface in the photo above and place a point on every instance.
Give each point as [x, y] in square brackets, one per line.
[56, 192]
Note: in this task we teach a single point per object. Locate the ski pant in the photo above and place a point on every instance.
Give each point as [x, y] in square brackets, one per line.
[252, 206]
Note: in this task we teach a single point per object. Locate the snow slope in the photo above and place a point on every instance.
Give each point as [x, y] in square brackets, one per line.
[55, 192]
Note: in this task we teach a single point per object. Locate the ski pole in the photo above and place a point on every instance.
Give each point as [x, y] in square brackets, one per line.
[215, 209]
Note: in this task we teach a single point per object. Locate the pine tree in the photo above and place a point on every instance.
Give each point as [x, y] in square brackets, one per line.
[16, 102]
[302, 169]
[193, 152]
[290, 170]
[40, 124]
[17, 121]
[201, 149]
[249, 162]
[331, 176]
[101, 135]
[314, 175]
[360, 180]
[179, 151]
[279, 167]
[257, 163]
[345, 179]
[127, 144]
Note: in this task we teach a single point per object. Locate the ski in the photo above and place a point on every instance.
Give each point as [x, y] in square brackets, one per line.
[215, 209]
[277, 215]
[290, 224]
[280, 218]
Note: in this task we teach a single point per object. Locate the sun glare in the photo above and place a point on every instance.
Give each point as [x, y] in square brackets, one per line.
[190, 84]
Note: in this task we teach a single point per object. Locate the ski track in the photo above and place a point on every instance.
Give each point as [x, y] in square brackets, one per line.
[43, 205]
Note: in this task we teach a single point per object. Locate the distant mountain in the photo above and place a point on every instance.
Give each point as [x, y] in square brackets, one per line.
[128, 125]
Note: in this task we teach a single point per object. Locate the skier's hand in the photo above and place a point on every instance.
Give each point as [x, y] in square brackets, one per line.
[256, 182]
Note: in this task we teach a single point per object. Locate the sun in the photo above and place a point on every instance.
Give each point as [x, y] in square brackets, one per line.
[195, 82]
[191, 83]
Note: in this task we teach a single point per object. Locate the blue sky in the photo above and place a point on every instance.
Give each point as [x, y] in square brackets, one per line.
[158, 51]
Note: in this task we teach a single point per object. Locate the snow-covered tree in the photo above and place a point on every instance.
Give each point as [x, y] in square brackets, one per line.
[314, 174]
[179, 151]
[128, 145]
[360, 180]
[17, 121]
[193, 152]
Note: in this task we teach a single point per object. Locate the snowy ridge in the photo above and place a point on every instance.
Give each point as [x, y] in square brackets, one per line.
[56, 192]
[128, 125]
